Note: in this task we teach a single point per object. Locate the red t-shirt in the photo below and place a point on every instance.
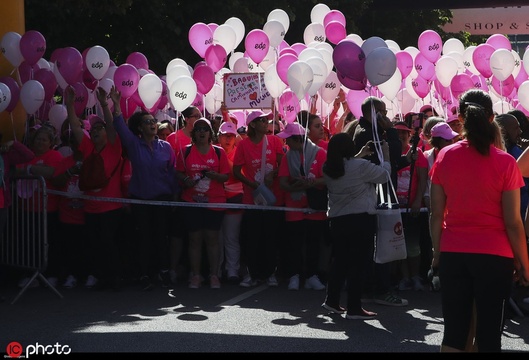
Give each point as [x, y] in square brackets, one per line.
[403, 178]
[206, 190]
[248, 155]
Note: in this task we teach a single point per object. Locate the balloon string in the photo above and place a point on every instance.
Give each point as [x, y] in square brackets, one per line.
[13, 126]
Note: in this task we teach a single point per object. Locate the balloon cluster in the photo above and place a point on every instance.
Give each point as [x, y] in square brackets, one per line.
[327, 61]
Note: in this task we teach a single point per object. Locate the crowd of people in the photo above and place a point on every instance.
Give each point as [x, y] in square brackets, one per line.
[462, 196]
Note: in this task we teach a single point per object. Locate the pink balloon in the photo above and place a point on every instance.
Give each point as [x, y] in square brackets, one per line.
[200, 38]
[126, 79]
[282, 65]
[128, 106]
[334, 15]
[460, 83]
[430, 45]
[163, 97]
[89, 80]
[288, 50]
[32, 46]
[83, 55]
[479, 82]
[350, 83]
[215, 57]
[521, 77]
[47, 79]
[81, 98]
[425, 68]
[355, 98]
[503, 88]
[289, 106]
[481, 58]
[205, 78]
[213, 26]
[199, 102]
[256, 44]
[70, 64]
[335, 32]
[404, 63]
[15, 92]
[349, 60]
[138, 60]
[442, 91]
[420, 86]
[499, 41]
[26, 71]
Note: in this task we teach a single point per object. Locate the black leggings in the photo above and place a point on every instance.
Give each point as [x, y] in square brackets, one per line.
[481, 278]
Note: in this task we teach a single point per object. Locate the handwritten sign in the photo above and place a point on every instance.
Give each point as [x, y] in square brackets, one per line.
[246, 91]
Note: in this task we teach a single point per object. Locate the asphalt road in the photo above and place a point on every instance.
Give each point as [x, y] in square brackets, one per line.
[232, 319]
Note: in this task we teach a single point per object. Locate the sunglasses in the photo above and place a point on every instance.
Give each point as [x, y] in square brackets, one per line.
[201, 128]
[148, 121]
[97, 128]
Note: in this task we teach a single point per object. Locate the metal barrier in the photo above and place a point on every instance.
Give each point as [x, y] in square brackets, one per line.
[24, 242]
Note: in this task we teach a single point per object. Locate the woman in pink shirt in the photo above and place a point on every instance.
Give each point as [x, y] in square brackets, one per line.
[477, 231]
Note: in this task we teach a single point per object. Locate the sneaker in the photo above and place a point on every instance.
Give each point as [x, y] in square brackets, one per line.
[390, 300]
[334, 309]
[405, 284]
[70, 282]
[24, 281]
[418, 283]
[91, 281]
[362, 315]
[214, 282]
[145, 283]
[53, 281]
[165, 278]
[195, 282]
[314, 283]
[248, 282]
[272, 281]
[294, 283]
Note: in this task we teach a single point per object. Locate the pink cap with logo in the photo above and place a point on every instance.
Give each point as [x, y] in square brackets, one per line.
[443, 130]
[291, 129]
[228, 128]
[257, 114]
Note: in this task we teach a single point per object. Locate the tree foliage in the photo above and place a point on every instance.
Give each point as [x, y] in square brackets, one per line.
[159, 29]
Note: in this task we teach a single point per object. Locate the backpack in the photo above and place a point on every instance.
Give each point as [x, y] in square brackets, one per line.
[92, 175]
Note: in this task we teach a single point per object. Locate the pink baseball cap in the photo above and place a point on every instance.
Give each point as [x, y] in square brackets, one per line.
[451, 118]
[443, 130]
[228, 128]
[94, 119]
[291, 129]
[401, 125]
[257, 114]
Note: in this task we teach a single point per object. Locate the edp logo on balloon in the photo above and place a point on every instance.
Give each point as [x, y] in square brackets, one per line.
[15, 350]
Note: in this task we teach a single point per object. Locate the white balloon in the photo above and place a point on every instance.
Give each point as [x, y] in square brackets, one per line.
[517, 63]
[173, 63]
[502, 63]
[10, 47]
[110, 72]
[275, 31]
[57, 115]
[525, 60]
[501, 106]
[318, 12]
[182, 92]
[97, 61]
[445, 69]
[225, 36]
[391, 87]
[239, 28]
[150, 89]
[44, 64]
[327, 57]
[300, 78]
[214, 99]
[314, 32]
[309, 53]
[468, 61]
[453, 44]
[523, 94]
[32, 96]
[273, 82]
[460, 61]
[175, 72]
[5, 96]
[233, 59]
[356, 39]
[281, 16]
[269, 59]
[106, 84]
[392, 44]
[241, 65]
[219, 76]
[330, 88]
[319, 71]
[92, 99]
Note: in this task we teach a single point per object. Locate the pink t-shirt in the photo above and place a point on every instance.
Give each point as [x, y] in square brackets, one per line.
[315, 172]
[323, 144]
[111, 154]
[71, 209]
[206, 190]
[178, 140]
[473, 185]
[248, 155]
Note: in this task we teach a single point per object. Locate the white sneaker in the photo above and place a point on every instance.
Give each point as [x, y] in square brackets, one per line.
[25, 280]
[91, 281]
[294, 283]
[314, 283]
[247, 282]
[272, 281]
[70, 282]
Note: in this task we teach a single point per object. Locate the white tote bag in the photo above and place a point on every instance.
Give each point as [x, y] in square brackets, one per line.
[390, 244]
